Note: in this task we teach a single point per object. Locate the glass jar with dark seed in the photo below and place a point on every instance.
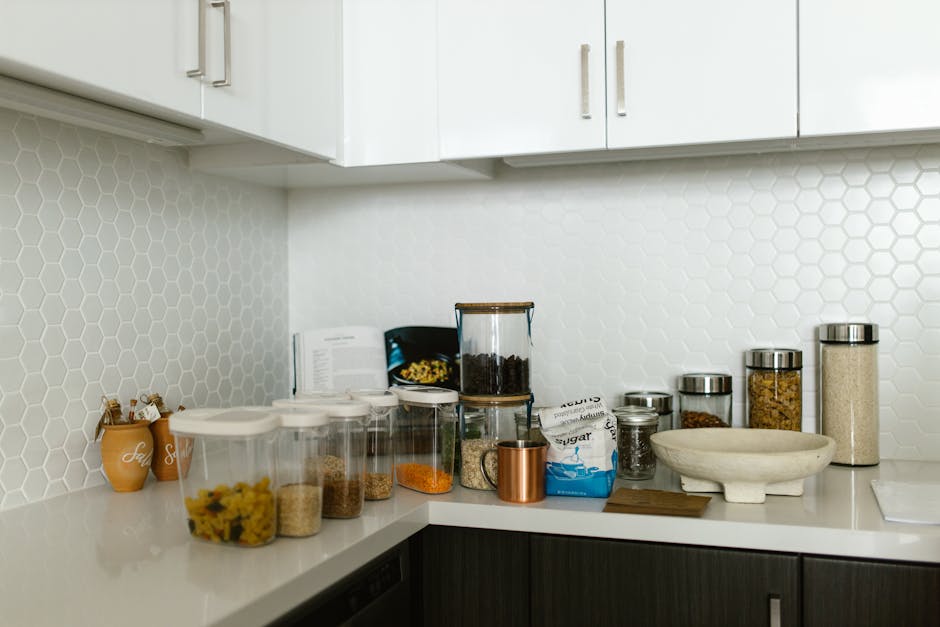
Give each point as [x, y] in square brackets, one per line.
[635, 457]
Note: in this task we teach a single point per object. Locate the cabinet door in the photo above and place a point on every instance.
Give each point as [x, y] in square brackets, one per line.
[475, 577]
[697, 71]
[124, 51]
[579, 581]
[520, 77]
[868, 66]
[866, 593]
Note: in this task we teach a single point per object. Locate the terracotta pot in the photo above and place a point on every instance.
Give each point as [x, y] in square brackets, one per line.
[171, 454]
[126, 451]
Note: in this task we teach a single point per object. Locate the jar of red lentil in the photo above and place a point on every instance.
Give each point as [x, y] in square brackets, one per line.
[425, 438]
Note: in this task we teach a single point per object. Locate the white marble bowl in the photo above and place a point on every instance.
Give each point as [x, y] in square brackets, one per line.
[746, 464]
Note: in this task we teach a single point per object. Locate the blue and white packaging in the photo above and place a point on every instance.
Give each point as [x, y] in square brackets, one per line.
[582, 448]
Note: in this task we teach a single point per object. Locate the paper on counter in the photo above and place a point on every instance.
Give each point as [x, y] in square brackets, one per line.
[908, 502]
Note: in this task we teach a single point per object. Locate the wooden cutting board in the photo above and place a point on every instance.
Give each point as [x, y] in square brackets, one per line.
[627, 501]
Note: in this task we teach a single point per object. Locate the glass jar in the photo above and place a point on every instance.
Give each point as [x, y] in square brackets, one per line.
[660, 402]
[495, 341]
[704, 400]
[380, 453]
[635, 458]
[774, 388]
[301, 442]
[485, 421]
[425, 438]
[344, 464]
[529, 429]
[848, 391]
[228, 493]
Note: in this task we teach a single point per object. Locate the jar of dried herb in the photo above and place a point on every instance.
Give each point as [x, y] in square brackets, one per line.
[774, 388]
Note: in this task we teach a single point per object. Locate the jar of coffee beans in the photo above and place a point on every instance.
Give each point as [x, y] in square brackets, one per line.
[495, 341]
[704, 400]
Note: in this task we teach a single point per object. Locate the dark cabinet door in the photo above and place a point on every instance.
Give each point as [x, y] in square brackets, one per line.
[474, 577]
[867, 593]
[582, 581]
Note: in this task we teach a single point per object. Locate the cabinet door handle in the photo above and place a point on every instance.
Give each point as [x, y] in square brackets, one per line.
[585, 82]
[774, 610]
[621, 101]
[226, 41]
[201, 69]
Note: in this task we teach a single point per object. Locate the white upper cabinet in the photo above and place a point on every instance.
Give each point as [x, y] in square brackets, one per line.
[700, 71]
[520, 77]
[869, 66]
[135, 50]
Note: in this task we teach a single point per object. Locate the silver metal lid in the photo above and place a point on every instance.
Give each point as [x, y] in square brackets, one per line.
[849, 332]
[636, 416]
[705, 383]
[661, 402]
[774, 358]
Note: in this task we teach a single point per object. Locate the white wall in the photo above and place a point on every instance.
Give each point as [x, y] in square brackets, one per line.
[642, 271]
[122, 273]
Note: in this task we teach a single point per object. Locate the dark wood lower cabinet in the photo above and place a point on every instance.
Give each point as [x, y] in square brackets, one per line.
[864, 593]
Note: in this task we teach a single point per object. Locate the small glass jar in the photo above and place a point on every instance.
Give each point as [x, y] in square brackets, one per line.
[301, 441]
[344, 464]
[660, 402]
[635, 458]
[495, 342]
[704, 400]
[425, 438]
[527, 429]
[380, 453]
[485, 421]
[774, 388]
[848, 391]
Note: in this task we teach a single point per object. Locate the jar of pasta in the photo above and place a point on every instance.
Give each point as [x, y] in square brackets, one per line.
[774, 388]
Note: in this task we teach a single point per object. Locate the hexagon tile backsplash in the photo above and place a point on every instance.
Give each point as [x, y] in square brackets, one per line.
[641, 271]
[121, 272]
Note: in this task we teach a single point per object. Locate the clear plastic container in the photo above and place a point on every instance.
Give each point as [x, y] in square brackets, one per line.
[660, 402]
[704, 400]
[774, 388]
[301, 442]
[848, 391]
[301, 400]
[344, 464]
[425, 438]
[495, 343]
[380, 452]
[635, 458]
[527, 429]
[485, 421]
[228, 494]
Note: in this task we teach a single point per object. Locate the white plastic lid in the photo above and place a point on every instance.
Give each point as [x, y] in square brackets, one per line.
[321, 395]
[306, 401]
[342, 408]
[425, 394]
[238, 421]
[301, 417]
[376, 398]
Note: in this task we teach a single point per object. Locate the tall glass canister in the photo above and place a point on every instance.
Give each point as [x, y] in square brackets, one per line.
[495, 343]
[485, 420]
[848, 391]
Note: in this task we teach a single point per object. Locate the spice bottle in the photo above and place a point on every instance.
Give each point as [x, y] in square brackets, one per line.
[774, 388]
[660, 402]
[704, 400]
[635, 458]
[848, 391]
[495, 341]
[486, 420]
[301, 442]
[380, 454]
[425, 438]
[343, 466]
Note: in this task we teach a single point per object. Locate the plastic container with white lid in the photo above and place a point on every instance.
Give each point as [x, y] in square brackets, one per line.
[322, 395]
[301, 442]
[425, 438]
[228, 490]
[380, 453]
[307, 399]
[344, 463]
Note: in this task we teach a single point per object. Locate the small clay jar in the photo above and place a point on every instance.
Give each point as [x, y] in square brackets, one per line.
[126, 452]
[172, 454]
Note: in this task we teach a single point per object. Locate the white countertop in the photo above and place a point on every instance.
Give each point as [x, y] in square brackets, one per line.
[99, 558]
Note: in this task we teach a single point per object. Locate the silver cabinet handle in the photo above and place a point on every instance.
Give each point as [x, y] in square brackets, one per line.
[201, 69]
[227, 41]
[621, 101]
[774, 610]
[585, 82]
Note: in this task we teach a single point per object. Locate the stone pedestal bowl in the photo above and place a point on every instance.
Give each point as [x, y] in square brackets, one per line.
[745, 464]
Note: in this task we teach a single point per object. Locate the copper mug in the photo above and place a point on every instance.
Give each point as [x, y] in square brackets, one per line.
[520, 470]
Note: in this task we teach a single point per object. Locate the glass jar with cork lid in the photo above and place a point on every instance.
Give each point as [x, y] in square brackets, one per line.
[485, 420]
[495, 341]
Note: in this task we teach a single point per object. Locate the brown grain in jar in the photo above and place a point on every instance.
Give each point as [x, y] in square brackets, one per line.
[774, 388]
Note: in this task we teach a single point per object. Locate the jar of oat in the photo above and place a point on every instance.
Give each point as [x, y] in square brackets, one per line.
[660, 402]
[485, 421]
[380, 454]
[704, 400]
[344, 464]
[848, 391]
[774, 388]
[301, 442]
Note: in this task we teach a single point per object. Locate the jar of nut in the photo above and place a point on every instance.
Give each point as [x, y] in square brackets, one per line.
[704, 400]
[774, 388]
